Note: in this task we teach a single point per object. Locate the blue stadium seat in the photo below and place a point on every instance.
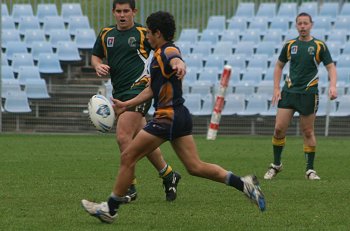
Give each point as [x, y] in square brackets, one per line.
[251, 35]
[194, 60]
[21, 59]
[31, 36]
[9, 85]
[7, 23]
[245, 48]
[230, 35]
[217, 22]
[68, 51]
[345, 9]
[255, 105]
[185, 47]
[48, 63]
[70, 10]
[346, 48]
[343, 107]
[343, 73]
[244, 88]
[342, 22]
[28, 23]
[309, 7]
[329, 9]
[202, 87]
[210, 74]
[57, 36]
[325, 105]
[193, 103]
[337, 35]
[46, 9]
[76, 23]
[191, 75]
[281, 23]
[40, 47]
[234, 103]
[253, 75]
[26, 73]
[237, 61]
[288, 10]
[323, 22]
[4, 61]
[4, 10]
[267, 48]
[36, 89]
[259, 23]
[291, 34]
[202, 48]
[238, 23]
[189, 35]
[273, 35]
[245, 9]
[209, 35]
[224, 48]
[269, 73]
[17, 102]
[265, 87]
[258, 61]
[207, 102]
[13, 47]
[53, 23]
[319, 34]
[214, 60]
[21, 10]
[266, 9]
[85, 38]
[7, 72]
[10, 35]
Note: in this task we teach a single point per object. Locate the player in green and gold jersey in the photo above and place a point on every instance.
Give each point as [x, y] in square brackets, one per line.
[300, 92]
[126, 50]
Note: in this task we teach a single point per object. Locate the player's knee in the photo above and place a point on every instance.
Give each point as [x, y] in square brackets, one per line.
[126, 159]
[123, 140]
[308, 132]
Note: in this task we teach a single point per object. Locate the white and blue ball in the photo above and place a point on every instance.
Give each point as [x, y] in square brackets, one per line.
[101, 113]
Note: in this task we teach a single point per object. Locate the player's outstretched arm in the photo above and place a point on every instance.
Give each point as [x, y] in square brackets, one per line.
[179, 66]
[332, 73]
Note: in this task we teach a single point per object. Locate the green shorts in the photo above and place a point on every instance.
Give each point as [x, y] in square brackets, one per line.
[142, 108]
[305, 104]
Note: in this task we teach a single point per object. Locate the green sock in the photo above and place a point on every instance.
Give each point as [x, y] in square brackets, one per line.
[310, 157]
[277, 152]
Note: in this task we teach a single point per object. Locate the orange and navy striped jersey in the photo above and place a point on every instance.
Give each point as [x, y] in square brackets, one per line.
[304, 58]
[126, 53]
[166, 87]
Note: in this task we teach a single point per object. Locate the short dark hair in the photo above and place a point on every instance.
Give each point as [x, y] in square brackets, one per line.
[164, 22]
[130, 2]
[304, 14]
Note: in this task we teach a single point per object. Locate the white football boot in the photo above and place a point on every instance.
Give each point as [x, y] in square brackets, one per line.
[252, 190]
[100, 211]
[311, 175]
[272, 171]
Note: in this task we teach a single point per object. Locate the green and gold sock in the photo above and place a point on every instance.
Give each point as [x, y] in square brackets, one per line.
[309, 152]
[278, 145]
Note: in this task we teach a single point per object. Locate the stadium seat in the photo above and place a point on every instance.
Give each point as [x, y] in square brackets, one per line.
[189, 35]
[346, 48]
[210, 74]
[291, 34]
[234, 103]
[17, 102]
[191, 75]
[319, 34]
[4, 61]
[46, 9]
[343, 61]
[76, 23]
[287, 10]
[10, 35]
[26, 73]
[345, 9]
[238, 23]
[230, 35]
[309, 7]
[7, 23]
[193, 103]
[15, 47]
[334, 48]
[216, 61]
[266, 48]
[245, 9]
[280, 23]
[253, 75]
[4, 10]
[70, 10]
[266, 9]
[251, 35]
[329, 9]
[343, 73]
[343, 107]
[85, 38]
[259, 23]
[28, 23]
[185, 47]
[194, 60]
[237, 62]
[49, 63]
[255, 105]
[21, 10]
[36, 89]
[21, 59]
[207, 103]
[322, 22]
[269, 73]
[325, 106]
[342, 22]
[31, 36]
[202, 87]
[273, 35]
[245, 48]
[265, 88]
[258, 61]
[244, 88]
[40, 47]
[7, 72]
[216, 22]
[53, 23]
[224, 48]
[68, 51]
[57, 36]
[8, 85]
[202, 48]
[209, 35]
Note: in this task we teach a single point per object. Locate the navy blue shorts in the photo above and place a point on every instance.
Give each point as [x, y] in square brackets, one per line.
[170, 130]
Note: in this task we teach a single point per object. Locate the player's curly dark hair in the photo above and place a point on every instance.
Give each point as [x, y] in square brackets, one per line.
[130, 2]
[164, 22]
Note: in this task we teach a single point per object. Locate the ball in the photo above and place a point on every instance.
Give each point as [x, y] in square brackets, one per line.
[101, 113]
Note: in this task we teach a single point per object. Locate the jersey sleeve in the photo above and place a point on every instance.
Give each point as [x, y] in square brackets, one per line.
[172, 52]
[97, 50]
[326, 55]
[283, 57]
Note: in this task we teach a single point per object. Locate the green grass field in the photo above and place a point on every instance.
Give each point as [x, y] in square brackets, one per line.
[44, 177]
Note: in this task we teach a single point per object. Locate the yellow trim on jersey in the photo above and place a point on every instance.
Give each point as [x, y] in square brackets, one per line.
[143, 52]
[319, 44]
[278, 142]
[313, 82]
[103, 35]
[161, 64]
[290, 42]
[309, 149]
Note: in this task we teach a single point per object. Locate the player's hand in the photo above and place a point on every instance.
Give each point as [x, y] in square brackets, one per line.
[276, 97]
[180, 68]
[102, 70]
[118, 106]
[332, 93]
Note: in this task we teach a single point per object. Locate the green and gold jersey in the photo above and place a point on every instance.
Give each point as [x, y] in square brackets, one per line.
[304, 58]
[126, 53]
